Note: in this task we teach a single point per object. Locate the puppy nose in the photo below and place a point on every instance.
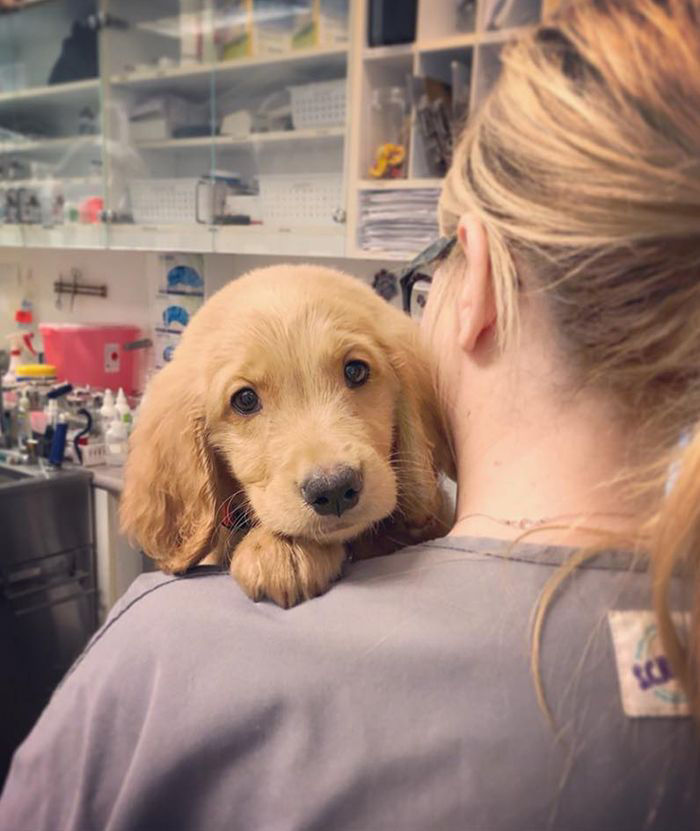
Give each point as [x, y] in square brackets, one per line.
[334, 491]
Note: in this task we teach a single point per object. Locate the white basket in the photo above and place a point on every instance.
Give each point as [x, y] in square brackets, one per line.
[164, 201]
[298, 200]
[93, 454]
[321, 104]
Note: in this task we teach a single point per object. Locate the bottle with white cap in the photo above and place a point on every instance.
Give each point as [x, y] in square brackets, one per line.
[24, 427]
[123, 410]
[51, 412]
[116, 442]
[10, 377]
[107, 412]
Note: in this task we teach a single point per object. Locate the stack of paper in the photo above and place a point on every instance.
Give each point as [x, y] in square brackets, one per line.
[398, 221]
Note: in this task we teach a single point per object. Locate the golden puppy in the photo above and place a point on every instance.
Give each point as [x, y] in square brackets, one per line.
[295, 424]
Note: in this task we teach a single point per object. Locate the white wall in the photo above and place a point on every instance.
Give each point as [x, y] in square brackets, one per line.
[220, 268]
[122, 273]
[125, 275]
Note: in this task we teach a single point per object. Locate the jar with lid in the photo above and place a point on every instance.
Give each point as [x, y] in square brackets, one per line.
[389, 131]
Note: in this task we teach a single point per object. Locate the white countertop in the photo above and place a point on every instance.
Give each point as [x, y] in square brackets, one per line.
[109, 477]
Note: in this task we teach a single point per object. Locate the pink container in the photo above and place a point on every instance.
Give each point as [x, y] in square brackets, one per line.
[93, 353]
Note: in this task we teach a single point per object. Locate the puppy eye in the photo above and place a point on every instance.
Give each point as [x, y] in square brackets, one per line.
[356, 373]
[246, 401]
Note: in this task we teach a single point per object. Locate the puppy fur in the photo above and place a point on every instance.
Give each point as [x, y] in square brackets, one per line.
[286, 332]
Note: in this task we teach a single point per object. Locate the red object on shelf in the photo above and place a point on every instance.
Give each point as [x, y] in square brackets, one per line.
[93, 354]
[91, 209]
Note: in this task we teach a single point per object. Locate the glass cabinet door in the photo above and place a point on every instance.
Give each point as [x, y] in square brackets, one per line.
[51, 176]
[281, 125]
[159, 125]
[225, 124]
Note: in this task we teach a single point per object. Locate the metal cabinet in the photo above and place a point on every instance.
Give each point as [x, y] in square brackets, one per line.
[48, 599]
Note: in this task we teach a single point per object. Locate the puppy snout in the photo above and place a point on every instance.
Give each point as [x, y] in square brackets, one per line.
[334, 491]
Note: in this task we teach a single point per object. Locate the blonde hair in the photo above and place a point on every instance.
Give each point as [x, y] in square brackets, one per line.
[584, 166]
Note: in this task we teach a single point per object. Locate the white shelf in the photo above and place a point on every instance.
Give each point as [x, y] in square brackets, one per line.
[503, 35]
[383, 53]
[48, 146]
[40, 95]
[232, 239]
[465, 40]
[398, 184]
[69, 235]
[51, 180]
[358, 253]
[289, 68]
[197, 238]
[285, 242]
[317, 134]
[11, 236]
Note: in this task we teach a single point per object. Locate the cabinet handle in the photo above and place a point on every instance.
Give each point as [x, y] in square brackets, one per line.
[39, 606]
[45, 586]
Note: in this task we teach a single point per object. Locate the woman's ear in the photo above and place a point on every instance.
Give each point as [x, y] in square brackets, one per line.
[476, 303]
[421, 442]
[174, 487]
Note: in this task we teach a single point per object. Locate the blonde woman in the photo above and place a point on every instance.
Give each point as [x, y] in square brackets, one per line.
[481, 681]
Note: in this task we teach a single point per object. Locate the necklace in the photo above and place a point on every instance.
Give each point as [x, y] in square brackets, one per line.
[524, 524]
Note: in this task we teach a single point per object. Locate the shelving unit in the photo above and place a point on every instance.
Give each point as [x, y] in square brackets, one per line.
[438, 44]
[143, 58]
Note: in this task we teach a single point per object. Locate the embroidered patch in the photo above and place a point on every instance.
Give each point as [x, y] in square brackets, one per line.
[647, 683]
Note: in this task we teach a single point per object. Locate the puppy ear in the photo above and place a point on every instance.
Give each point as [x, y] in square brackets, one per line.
[174, 486]
[421, 443]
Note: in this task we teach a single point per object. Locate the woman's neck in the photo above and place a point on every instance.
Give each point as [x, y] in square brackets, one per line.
[536, 458]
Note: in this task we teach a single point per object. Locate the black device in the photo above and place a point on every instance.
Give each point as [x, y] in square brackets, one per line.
[78, 59]
[391, 21]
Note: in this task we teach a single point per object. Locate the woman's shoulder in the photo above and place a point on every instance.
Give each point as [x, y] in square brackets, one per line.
[400, 698]
[421, 580]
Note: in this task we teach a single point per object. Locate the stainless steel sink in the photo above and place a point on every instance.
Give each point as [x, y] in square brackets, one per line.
[9, 474]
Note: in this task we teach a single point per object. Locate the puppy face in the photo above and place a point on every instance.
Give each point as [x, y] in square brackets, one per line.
[296, 396]
[301, 409]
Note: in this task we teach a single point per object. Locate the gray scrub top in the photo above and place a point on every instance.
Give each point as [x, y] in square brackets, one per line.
[401, 699]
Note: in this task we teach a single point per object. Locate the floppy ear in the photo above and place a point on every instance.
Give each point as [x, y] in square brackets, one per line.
[175, 487]
[421, 442]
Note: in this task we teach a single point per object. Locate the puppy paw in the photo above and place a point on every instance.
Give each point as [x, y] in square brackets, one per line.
[285, 571]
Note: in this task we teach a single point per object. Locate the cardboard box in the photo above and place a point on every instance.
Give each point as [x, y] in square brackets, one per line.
[280, 27]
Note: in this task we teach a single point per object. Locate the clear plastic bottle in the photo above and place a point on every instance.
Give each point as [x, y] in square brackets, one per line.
[24, 426]
[116, 442]
[106, 413]
[123, 410]
[390, 128]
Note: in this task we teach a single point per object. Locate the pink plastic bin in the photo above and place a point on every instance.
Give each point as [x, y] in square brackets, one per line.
[93, 353]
